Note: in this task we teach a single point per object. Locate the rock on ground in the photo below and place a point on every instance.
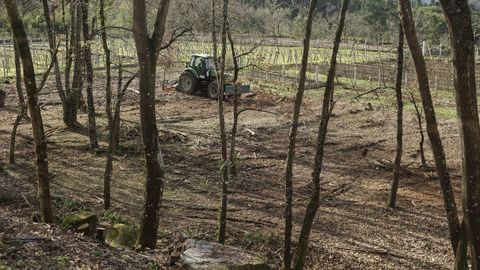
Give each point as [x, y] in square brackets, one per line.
[211, 255]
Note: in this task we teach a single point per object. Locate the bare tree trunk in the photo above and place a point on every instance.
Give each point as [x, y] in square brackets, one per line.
[111, 143]
[432, 127]
[314, 202]
[107, 177]
[21, 41]
[420, 128]
[18, 76]
[75, 55]
[462, 40]
[225, 164]
[22, 109]
[92, 126]
[18, 119]
[287, 244]
[116, 121]
[236, 101]
[461, 258]
[148, 48]
[52, 45]
[398, 93]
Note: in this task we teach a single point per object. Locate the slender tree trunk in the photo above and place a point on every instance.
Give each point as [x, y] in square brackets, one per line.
[420, 128]
[75, 56]
[461, 258]
[287, 244]
[13, 137]
[53, 47]
[116, 119]
[111, 143]
[22, 112]
[398, 93]
[107, 177]
[21, 41]
[18, 76]
[236, 101]
[224, 168]
[462, 40]
[92, 126]
[148, 48]
[432, 126]
[314, 202]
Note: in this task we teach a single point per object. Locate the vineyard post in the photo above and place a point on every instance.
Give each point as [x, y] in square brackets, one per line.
[355, 76]
[406, 79]
[379, 78]
[365, 49]
[283, 72]
[4, 59]
[316, 73]
[424, 48]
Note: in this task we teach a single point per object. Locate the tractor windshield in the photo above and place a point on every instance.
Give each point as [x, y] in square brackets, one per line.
[209, 64]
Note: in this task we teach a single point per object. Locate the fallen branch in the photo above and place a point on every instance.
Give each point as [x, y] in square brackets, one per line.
[26, 240]
[256, 110]
[374, 251]
[175, 119]
[361, 146]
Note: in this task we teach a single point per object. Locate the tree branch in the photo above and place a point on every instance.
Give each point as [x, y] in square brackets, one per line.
[175, 35]
[159, 28]
[47, 72]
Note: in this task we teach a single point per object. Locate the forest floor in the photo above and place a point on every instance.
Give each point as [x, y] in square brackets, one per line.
[353, 229]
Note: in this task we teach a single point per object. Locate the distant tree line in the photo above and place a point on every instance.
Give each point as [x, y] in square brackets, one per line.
[369, 19]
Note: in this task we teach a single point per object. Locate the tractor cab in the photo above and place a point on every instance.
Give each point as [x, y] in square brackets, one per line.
[204, 66]
[200, 73]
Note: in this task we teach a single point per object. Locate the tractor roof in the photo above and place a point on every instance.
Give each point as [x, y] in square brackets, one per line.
[202, 55]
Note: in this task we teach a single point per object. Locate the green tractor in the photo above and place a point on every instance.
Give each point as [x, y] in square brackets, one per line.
[200, 73]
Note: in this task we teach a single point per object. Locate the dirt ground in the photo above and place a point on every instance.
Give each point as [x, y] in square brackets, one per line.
[353, 229]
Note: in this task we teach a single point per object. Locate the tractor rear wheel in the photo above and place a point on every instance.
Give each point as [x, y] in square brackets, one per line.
[188, 84]
[212, 90]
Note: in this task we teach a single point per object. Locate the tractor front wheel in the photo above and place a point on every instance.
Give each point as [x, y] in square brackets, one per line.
[212, 90]
[188, 84]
